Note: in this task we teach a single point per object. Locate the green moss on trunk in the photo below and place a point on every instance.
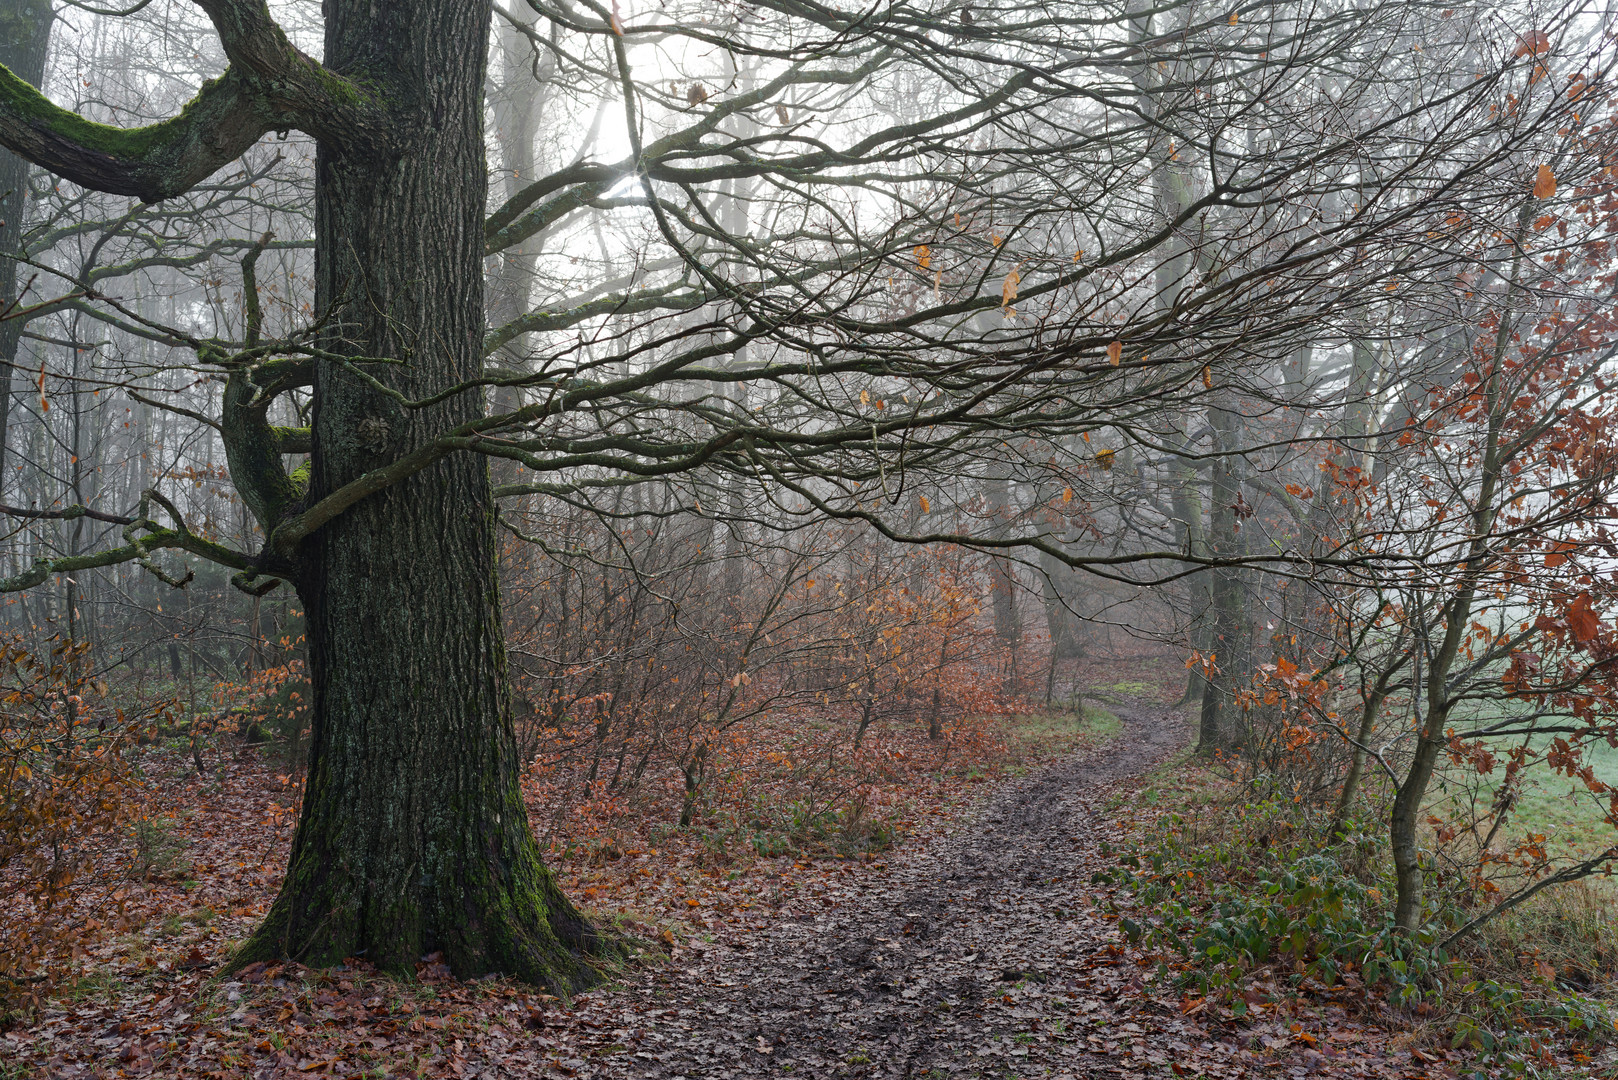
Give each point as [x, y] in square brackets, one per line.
[413, 836]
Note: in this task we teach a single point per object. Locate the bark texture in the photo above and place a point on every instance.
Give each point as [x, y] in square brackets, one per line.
[413, 836]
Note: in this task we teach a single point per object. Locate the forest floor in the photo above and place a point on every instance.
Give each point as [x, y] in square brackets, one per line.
[984, 951]
[979, 948]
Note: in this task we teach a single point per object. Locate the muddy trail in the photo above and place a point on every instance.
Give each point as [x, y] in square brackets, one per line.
[973, 954]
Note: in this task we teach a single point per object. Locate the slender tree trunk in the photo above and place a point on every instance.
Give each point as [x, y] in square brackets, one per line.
[413, 836]
[1226, 591]
[694, 770]
[1405, 819]
[25, 32]
[1174, 193]
[867, 711]
[1456, 616]
[1188, 513]
[1369, 710]
[1002, 576]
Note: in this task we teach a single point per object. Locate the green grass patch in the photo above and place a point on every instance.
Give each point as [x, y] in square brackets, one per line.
[1126, 688]
[1059, 731]
[1241, 888]
[1562, 810]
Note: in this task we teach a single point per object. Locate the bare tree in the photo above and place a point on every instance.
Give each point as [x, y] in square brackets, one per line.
[918, 297]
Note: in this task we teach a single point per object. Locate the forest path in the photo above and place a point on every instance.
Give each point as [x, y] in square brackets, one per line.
[973, 954]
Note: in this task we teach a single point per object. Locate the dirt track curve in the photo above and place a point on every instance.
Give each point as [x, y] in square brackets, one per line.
[970, 956]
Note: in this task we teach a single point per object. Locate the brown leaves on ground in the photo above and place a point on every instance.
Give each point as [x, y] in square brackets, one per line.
[984, 949]
[285, 1020]
[210, 860]
[981, 951]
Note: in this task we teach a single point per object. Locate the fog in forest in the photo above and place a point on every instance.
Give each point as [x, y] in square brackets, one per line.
[517, 491]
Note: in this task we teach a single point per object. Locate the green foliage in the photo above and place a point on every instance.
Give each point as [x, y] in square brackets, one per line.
[1268, 889]
[1304, 908]
[771, 845]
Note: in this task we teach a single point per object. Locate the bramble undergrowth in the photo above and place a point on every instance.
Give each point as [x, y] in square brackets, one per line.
[1244, 894]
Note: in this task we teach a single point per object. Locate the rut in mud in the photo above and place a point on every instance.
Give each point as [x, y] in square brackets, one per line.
[974, 954]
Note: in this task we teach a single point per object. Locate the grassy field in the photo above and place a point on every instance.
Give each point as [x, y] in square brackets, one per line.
[1565, 811]
[1569, 816]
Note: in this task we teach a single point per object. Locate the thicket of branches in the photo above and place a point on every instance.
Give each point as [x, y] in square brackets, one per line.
[859, 367]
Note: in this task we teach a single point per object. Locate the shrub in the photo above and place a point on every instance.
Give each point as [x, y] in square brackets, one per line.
[1257, 889]
[64, 800]
[1251, 888]
[270, 706]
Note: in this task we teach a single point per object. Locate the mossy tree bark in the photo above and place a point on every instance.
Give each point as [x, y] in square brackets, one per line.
[413, 836]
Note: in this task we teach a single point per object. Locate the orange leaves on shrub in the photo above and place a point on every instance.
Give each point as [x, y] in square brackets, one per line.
[64, 802]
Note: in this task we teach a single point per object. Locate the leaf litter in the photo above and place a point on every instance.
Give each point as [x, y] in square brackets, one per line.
[983, 948]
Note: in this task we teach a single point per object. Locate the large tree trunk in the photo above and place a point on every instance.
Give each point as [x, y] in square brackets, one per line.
[1173, 192]
[1062, 623]
[25, 33]
[1002, 576]
[413, 836]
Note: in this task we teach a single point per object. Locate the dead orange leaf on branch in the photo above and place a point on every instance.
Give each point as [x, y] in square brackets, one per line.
[1533, 43]
[1582, 619]
[1008, 289]
[1544, 183]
